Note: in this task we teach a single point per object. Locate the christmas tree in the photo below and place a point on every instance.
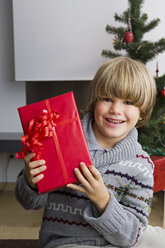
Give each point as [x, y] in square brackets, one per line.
[129, 39]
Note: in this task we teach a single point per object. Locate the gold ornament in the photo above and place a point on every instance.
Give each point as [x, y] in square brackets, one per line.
[116, 40]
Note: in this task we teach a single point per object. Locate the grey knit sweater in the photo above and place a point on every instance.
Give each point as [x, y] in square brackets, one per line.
[69, 216]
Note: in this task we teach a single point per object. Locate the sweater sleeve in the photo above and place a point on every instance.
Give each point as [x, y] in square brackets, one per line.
[122, 222]
[29, 198]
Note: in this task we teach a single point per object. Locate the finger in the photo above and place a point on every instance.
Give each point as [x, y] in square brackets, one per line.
[29, 157]
[76, 187]
[36, 163]
[86, 172]
[38, 170]
[95, 172]
[81, 178]
[36, 179]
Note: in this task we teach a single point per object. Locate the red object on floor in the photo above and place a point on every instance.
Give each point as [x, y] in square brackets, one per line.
[53, 130]
[159, 172]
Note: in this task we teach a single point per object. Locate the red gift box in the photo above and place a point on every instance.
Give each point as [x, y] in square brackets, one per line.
[159, 172]
[53, 130]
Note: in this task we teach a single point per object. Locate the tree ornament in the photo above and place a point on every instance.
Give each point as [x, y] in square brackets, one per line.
[163, 92]
[116, 40]
[157, 69]
[138, 48]
[128, 37]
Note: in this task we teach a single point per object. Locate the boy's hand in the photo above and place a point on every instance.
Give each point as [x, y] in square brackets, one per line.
[92, 186]
[32, 168]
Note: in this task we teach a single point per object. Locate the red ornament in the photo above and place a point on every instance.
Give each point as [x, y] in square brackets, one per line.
[163, 93]
[128, 37]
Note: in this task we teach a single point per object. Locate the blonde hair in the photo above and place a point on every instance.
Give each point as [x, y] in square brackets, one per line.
[124, 78]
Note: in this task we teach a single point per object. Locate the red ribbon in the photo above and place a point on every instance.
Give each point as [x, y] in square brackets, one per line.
[42, 126]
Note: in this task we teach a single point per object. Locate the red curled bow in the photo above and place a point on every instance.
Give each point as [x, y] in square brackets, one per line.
[42, 126]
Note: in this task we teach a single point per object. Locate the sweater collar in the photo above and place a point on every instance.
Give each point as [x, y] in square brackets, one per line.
[125, 149]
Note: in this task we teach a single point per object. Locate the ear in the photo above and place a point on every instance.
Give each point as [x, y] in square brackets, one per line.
[140, 118]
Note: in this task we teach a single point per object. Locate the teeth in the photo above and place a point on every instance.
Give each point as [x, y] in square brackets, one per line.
[116, 122]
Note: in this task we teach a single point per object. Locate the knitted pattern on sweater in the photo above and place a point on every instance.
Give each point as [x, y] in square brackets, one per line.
[69, 216]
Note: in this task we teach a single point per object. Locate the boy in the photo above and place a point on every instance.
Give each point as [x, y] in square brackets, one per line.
[111, 205]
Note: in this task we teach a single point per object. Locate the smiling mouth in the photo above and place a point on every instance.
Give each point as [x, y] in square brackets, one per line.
[115, 121]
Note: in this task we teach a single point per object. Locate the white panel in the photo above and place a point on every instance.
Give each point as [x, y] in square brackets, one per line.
[155, 9]
[61, 39]
[12, 95]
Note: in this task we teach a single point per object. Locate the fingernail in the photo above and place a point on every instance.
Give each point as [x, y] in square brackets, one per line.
[41, 176]
[82, 163]
[44, 167]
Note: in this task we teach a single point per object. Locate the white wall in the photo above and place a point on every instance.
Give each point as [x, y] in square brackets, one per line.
[60, 39]
[63, 39]
[12, 94]
[154, 10]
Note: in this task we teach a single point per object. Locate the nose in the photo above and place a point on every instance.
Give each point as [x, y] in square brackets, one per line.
[115, 108]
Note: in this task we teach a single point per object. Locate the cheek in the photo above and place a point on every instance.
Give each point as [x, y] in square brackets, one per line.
[134, 115]
[99, 110]
[97, 114]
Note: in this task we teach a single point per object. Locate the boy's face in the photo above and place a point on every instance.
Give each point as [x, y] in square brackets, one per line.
[114, 118]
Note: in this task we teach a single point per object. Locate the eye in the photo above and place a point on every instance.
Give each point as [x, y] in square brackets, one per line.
[106, 99]
[128, 102]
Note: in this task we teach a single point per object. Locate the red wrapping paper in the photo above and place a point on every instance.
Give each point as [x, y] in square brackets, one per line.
[159, 172]
[64, 145]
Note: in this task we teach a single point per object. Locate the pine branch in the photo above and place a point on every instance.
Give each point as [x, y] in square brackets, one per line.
[120, 18]
[135, 7]
[112, 30]
[160, 82]
[120, 46]
[160, 45]
[145, 50]
[151, 25]
[144, 18]
[109, 54]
